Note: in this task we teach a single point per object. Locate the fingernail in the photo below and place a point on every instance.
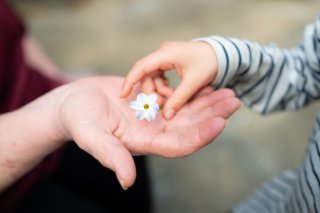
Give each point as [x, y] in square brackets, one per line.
[122, 185]
[226, 124]
[169, 113]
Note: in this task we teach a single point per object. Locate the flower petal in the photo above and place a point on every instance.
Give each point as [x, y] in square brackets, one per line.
[152, 99]
[141, 97]
[140, 114]
[150, 115]
[155, 107]
[153, 114]
[136, 105]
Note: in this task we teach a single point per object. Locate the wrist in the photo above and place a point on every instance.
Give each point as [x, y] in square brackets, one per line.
[216, 55]
[210, 59]
[43, 114]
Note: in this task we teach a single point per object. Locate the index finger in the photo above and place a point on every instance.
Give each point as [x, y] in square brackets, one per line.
[153, 62]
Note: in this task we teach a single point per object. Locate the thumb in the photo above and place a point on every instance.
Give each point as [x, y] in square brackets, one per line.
[120, 161]
[185, 90]
[111, 153]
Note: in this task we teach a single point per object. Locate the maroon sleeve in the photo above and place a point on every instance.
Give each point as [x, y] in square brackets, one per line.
[19, 84]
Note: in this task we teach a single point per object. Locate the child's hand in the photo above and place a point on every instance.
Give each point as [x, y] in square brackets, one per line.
[195, 63]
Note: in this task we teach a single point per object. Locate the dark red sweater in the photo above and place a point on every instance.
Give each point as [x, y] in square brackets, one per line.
[19, 84]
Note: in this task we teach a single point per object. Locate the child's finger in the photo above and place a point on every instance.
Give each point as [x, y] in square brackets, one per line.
[148, 86]
[186, 89]
[154, 62]
[162, 87]
[161, 101]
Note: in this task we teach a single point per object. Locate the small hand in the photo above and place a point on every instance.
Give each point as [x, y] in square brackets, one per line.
[195, 63]
[102, 124]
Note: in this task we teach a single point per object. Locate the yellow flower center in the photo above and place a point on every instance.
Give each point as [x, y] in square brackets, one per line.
[146, 106]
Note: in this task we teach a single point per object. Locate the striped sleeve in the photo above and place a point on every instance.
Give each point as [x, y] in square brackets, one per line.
[268, 78]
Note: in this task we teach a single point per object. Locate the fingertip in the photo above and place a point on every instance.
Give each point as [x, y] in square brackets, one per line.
[123, 165]
[123, 186]
[161, 100]
[233, 104]
[122, 94]
[181, 95]
[226, 122]
[124, 90]
[148, 86]
[169, 113]
[125, 181]
[172, 106]
[126, 175]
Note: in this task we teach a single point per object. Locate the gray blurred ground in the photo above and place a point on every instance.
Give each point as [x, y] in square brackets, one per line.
[107, 37]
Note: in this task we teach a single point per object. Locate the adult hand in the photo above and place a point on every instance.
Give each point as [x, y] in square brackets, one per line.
[90, 112]
[102, 124]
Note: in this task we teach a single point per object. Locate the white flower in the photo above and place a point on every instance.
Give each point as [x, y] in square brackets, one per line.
[146, 106]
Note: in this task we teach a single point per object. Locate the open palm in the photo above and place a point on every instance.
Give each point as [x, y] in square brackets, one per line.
[102, 124]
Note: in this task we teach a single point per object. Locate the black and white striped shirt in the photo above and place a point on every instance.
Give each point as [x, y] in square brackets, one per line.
[267, 79]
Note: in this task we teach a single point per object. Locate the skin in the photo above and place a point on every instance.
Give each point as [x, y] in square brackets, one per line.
[90, 112]
[195, 62]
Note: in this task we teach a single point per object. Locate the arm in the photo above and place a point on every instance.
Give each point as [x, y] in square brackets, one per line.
[27, 136]
[269, 78]
[90, 112]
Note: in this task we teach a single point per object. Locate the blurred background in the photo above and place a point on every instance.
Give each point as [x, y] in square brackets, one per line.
[107, 37]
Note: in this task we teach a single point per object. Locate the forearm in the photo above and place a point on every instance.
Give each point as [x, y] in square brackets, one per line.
[27, 136]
